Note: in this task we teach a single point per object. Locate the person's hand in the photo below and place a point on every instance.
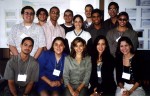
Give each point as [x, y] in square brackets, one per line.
[126, 93]
[58, 83]
[53, 84]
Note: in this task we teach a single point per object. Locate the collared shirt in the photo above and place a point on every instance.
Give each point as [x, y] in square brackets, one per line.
[113, 37]
[19, 31]
[70, 36]
[51, 32]
[75, 73]
[47, 62]
[16, 66]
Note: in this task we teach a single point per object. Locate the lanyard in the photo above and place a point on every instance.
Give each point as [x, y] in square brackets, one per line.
[57, 64]
[26, 68]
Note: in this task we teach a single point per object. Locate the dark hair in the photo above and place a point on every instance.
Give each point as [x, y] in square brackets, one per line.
[27, 7]
[68, 10]
[54, 7]
[127, 40]
[58, 38]
[41, 9]
[27, 38]
[76, 16]
[74, 43]
[106, 51]
[115, 4]
[89, 5]
[123, 13]
[97, 11]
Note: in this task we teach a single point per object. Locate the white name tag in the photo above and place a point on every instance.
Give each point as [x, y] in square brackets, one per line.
[56, 72]
[118, 38]
[126, 76]
[99, 73]
[23, 36]
[22, 77]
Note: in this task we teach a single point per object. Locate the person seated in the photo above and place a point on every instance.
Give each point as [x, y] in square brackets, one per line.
[128, 69]
[103, 65]
[77, 69]
[22, 71]
[51, 68]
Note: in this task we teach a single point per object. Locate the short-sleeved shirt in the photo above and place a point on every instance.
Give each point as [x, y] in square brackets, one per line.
[51, 32]
[70, 36]
[19, 31]
[16, 66]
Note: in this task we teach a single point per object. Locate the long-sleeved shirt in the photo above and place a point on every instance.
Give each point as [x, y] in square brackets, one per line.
[75, 73]
[51, 32]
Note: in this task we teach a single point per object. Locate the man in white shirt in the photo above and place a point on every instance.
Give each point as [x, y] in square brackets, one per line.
[27, 29]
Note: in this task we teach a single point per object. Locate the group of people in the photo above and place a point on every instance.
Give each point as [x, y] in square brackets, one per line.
[77, 58]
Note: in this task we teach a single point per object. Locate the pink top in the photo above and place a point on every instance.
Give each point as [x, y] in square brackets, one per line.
[51, 32]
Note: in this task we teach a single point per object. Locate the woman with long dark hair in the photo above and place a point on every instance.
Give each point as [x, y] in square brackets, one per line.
[128, 70]
[102, 77]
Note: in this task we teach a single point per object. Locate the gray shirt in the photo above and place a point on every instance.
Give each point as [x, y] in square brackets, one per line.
[113, 37]
[75, 73]
[16, 66]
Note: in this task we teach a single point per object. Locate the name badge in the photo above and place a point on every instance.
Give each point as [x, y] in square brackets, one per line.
[22, 77]
[99, 73]
[126, 76]
[56, 72]
[118, 38]
[23, 36]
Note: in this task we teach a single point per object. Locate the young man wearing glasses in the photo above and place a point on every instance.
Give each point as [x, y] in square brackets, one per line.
[113, 9]
[27, 29]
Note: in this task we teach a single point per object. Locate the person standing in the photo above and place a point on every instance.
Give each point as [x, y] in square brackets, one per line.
[121, 30]
[27, 29]
[68, 17]
[51, 28]
[42, 16]
[96, 27]
[22, 71]
[113, 10]
[78, 31]
[88, 10]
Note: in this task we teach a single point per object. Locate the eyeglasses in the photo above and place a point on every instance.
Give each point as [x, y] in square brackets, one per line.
[121, 19]
[29, 13]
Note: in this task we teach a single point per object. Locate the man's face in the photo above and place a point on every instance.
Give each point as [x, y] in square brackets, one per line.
[54, 14]
[68, 17]
[112, 11]
[96, 18]
[26, 47]
[88, 11]
[28, 16]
